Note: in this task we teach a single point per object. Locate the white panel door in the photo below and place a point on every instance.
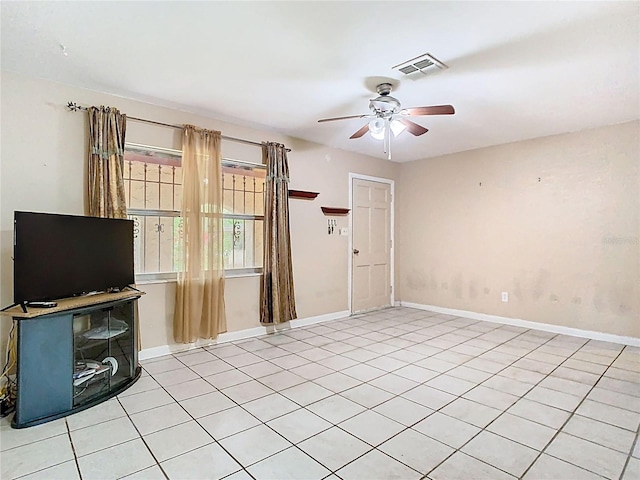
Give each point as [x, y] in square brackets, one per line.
[371, 275]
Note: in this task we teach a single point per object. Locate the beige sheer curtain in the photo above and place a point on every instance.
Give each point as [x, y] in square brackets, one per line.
[278, 303]
[106, 162]
[199, 310]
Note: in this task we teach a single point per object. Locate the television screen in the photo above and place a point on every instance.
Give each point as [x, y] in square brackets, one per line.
[57, 256]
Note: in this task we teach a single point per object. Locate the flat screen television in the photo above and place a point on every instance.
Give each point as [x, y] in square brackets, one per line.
[58, 256]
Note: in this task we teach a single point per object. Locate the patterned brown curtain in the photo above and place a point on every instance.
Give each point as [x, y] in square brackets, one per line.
[278, 303]
[107, 128]
[106, 162]
[199, 310]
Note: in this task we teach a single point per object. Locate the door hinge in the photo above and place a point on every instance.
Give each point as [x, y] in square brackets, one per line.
[391, 243]
[390, 288]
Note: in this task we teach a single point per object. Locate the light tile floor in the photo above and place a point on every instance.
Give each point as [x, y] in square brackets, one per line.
[399, 393]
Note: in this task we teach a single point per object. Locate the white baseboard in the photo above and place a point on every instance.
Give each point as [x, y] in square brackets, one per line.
[303, 322]
[153, 352]
[546, 327]
[226, 337]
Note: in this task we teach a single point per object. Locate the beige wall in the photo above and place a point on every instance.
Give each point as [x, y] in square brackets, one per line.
[565, 247]
[43, 169]
[552, 221]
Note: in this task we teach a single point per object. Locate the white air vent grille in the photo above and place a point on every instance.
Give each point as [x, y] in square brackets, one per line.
[408, 69]
[421, 65]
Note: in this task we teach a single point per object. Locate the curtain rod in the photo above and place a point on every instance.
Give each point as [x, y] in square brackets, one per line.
[74, 107]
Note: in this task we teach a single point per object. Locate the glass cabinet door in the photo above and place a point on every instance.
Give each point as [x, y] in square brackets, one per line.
[103, 351]
[121, 347]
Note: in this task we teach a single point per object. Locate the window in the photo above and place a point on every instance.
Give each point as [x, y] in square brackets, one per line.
[243, 201]
[152, 178]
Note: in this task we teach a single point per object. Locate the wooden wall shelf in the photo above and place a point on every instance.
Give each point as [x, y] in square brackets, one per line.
[335, 211]
[302, 194]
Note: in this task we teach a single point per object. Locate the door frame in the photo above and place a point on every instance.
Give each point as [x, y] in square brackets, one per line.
[358, 176]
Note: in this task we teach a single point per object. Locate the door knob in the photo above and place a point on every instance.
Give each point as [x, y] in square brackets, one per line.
[356, 251]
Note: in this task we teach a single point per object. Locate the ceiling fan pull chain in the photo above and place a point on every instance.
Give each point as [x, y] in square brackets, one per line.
[389, 149]
[389, 139]
[384, 140]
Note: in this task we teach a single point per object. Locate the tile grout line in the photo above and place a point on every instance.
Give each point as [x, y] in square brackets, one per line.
[73, 451]
[163, 387]
[410, 363]
[373, 447]
[359, 362]
[444, 321]
[479, 384]
[73, 448]
[215, 441]
[457, 397]
[521, 397]
[546, 375]
[636, 441]
[440, 373]
[630, 455]
[236, 404]
[572, 413]
[459, 449]
[143, 441]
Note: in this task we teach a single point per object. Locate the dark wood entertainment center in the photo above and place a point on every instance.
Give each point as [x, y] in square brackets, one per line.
[74, 355]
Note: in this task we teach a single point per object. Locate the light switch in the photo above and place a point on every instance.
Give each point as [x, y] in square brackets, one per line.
[344, 231]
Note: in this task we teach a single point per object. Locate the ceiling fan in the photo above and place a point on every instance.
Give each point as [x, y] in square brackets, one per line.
[388, 117]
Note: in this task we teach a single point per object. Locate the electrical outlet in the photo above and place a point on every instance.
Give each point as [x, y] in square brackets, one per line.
[505, 296]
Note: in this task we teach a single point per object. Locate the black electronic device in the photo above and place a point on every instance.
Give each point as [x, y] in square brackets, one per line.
[57, 256]
[42, 304]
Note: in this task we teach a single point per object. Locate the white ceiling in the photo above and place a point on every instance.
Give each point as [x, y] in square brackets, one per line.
[518, 70]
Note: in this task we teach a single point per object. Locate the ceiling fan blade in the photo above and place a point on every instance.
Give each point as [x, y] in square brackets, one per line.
[432, 110]
[360, 132]
[341, 118]
[413, 128]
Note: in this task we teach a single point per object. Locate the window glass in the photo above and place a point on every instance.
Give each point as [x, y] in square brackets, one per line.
[153, 177]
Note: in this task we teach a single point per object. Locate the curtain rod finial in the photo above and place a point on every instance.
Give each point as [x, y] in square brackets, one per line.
[74, 107]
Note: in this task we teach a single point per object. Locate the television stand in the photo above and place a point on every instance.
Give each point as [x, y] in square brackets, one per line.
[89, 348]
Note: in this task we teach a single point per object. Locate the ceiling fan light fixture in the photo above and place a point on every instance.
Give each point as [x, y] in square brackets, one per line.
[376, 128]
[397, 127]
[378, 135]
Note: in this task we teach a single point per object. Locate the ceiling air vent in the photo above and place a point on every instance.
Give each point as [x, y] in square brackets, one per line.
[420, 66]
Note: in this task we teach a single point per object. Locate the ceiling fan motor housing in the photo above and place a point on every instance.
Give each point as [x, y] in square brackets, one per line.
[385, 104]
[384, 89]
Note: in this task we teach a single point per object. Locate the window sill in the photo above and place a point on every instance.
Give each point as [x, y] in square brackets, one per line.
[151, 279]
[240, 275]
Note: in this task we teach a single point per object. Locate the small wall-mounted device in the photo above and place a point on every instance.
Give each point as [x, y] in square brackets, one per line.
[332, 223]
